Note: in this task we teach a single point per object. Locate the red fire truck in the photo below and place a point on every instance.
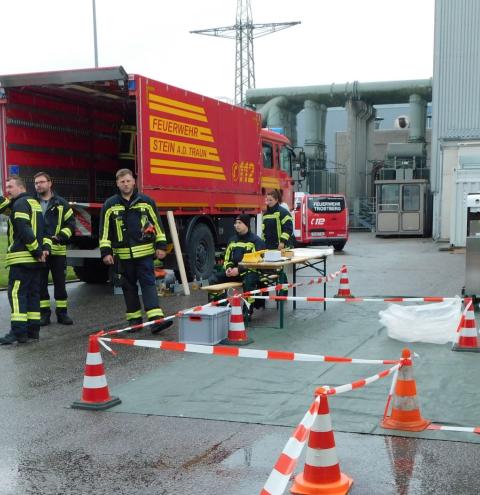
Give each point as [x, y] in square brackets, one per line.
[201, 158]
[321, 219]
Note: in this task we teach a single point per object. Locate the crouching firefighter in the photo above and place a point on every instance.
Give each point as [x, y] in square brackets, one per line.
[25, 256]
[131, 235]
[59, 227]
[244, 241]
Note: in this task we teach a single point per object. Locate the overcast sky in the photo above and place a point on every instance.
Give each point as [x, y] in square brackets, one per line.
[337, 40]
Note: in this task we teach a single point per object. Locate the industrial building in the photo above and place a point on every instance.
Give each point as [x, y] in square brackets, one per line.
[417, 190]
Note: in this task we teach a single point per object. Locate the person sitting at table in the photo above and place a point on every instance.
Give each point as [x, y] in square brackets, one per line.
[244, 241]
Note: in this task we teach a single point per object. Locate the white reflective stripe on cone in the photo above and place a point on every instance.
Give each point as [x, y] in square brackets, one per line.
[94, 358]
[321, 457]
[323, 423]
[237, 327]
[94, 381]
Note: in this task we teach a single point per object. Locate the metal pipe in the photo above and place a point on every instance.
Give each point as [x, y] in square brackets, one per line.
[95, 47]
[335, 95]
[417, 114]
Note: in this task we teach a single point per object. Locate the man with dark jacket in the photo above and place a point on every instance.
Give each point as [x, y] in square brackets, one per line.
[131, 234]
[25, 255]
[59, 227]
[241, 243]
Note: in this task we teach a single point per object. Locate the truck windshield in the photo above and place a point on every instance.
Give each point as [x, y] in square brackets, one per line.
[326, 205]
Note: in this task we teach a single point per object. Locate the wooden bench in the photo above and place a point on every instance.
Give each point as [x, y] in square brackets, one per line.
[222, 287]
[231, 285]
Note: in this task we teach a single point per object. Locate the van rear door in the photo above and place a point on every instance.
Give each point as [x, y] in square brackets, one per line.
[327, 217]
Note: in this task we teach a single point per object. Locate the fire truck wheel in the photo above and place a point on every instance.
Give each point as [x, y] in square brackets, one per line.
[93, 272]
[201, 252]
[338, 246]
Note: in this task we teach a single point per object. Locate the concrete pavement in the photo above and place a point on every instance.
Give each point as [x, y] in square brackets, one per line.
[48, 448]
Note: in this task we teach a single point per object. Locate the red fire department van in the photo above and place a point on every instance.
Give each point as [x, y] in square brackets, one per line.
[321, 219]
[202, 158]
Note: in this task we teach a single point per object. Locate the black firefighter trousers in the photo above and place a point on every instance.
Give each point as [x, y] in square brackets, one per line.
[141, 270]
[57, 266]
[24, 298]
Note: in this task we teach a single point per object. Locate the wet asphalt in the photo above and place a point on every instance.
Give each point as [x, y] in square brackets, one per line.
[49, 448]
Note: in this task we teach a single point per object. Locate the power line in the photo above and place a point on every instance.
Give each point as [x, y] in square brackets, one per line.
[244, 32]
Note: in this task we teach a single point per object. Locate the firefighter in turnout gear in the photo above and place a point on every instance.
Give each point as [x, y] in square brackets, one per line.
[277, 229]
[59, 227]
[26, 253]
[243, 242]
[131, 235]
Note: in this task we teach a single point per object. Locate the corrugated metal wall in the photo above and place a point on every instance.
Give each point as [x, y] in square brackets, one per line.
[456, 95]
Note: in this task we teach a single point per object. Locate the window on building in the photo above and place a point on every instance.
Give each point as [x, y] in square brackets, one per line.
[411, 197]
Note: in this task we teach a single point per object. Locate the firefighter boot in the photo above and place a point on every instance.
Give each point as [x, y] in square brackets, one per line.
[161, 326]
[33, 333]
[63, 318]
[10, 338]
[45, 317]
[132, 322]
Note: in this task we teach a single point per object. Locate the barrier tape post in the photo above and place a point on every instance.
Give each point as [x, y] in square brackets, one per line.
[344, 288]
[405, 413]
[321, 473]
[467, 340]
[286, 463]
[237, 333]
[95, 393]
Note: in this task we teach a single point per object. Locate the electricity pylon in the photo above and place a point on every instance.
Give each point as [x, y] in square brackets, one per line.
[244, 31]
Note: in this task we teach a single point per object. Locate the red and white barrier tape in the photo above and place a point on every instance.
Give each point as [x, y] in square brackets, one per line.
[286, 463]
[271, 288]
[326, 390]
[319, 280]
[329, 277]
[390, 393]
[139, 326]
[232, 351]
[466, 429]
[463, 316]
[356, 299]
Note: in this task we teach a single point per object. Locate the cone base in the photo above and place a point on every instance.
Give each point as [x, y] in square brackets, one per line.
[393, 424]
[457, 347]
[340, 487]
[96, 406]
[339, 296]
[246, 341]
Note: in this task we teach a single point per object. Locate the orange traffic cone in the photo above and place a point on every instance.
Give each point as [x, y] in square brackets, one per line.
[344, 289]
[321, 473]
[95, 394]
[468, 334]
[405, 413]
[237, 334]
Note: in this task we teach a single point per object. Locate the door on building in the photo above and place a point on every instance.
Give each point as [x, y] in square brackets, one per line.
[401, 207]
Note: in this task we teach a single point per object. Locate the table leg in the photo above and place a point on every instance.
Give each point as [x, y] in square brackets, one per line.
[281, 315]
[294, 270]
[325, 283]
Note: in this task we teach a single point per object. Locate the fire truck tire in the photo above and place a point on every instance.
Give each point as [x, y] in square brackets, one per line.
[201, 252]
[93, 272]
[338, 246]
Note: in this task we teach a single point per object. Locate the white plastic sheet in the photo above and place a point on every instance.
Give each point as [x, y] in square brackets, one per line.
[432, 323]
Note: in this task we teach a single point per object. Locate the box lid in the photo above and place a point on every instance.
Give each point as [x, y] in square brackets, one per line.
[209, 311]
